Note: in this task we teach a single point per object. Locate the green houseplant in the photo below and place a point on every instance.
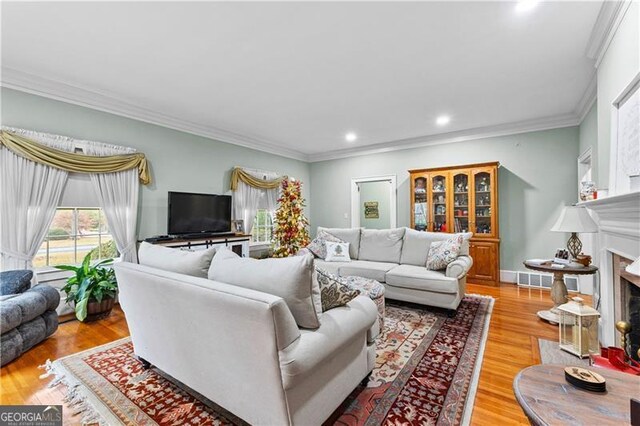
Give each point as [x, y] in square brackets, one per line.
[92, 289]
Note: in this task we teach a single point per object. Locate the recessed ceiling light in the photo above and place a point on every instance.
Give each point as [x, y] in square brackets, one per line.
[443, 120]
[526, 5]
[351, 137]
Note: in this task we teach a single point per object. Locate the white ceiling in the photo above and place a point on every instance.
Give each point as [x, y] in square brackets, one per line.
[293, 78]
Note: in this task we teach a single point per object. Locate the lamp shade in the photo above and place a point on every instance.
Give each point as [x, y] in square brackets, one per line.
[634, 268]
[575, 219]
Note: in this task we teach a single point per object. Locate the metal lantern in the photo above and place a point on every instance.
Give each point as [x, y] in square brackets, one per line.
[578, 328]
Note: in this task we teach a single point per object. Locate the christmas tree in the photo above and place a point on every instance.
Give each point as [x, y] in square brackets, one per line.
[290, 232]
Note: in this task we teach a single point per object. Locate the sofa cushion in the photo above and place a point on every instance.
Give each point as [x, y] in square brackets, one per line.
[10, 317]
[416, 244]
[194, 263]
[50, 294]
[290, 278]
[348, 235]
[421, 278]
[331, 267]
[442, 253]
[222, 254]
[337, 252]
[15, 282]
[381, 245]
[318, 246]
[32, 304]
[367, 269]
[415, 247]
[334, 290]
[11, 343]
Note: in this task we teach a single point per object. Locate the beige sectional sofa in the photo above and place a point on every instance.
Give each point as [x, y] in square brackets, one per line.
[397, 258]
[243, 348]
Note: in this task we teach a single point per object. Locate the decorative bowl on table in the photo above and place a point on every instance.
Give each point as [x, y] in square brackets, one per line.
[583, 259]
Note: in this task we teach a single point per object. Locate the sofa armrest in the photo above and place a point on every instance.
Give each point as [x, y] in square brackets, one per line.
[339, 328]
[459, 267]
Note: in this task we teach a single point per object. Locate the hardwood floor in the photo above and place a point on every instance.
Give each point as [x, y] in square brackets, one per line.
[511, 346]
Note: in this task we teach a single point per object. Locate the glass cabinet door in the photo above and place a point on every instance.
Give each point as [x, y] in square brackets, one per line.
[439, 203]
[420, 210]
[461, 202]
[483, 208]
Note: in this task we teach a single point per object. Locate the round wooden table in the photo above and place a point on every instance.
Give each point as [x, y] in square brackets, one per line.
[548, 399]
[559, 291]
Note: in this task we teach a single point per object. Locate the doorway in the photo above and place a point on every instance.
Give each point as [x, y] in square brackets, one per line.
[373, 202]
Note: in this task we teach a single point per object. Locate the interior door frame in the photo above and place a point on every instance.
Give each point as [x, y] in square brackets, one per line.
[355, 198]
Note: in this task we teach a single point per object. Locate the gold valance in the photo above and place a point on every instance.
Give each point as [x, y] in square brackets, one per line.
[240, 175]
[72, 162]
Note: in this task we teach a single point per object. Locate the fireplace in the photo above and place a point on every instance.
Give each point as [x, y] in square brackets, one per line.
[617, 244]
[626, 290]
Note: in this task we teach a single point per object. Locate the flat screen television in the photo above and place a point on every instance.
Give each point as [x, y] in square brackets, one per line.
[198, 213]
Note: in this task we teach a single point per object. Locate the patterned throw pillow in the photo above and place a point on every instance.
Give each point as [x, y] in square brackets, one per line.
[318, 246]
[334, 290]
[442, 253]
[337, 252]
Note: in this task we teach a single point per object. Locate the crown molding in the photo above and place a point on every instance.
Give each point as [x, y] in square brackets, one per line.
[61, 91]
[588, 98]
[52, 89]
[546, 123]
[607, 23]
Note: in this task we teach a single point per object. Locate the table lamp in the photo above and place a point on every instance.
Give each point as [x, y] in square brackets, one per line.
[574, 219]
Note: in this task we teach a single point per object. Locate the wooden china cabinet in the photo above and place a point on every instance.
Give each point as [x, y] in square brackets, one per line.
[461, 199]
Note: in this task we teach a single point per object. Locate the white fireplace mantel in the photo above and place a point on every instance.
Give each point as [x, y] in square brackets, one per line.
[618, 219]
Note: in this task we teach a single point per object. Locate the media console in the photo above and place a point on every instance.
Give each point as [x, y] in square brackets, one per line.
[239, 243]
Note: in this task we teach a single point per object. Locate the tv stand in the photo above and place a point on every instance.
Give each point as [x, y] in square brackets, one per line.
[238, 243]
[201, 235]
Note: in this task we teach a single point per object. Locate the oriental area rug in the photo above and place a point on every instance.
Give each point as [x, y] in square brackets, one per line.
[426, 373]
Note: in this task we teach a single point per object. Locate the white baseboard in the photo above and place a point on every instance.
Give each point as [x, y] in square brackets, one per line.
[508, 276]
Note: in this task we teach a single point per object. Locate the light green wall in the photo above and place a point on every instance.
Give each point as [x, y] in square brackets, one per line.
[620, 64]
[538, 174]
[589, 131]
[376, 191]
[179, 161]
[537, 178]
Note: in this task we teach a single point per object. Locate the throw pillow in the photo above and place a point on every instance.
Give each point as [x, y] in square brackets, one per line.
[318, 246]
[334, 290]
[194, 263]
[337, 252]
[290, 278]
[442, 253]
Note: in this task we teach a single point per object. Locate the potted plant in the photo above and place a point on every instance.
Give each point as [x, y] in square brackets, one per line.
[92, 289]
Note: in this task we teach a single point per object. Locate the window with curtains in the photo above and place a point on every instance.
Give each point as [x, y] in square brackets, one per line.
[262, 229]
[74, 232]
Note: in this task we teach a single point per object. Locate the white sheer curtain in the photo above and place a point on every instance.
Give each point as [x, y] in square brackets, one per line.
[29, 194]
[247, 200]
[118, 195]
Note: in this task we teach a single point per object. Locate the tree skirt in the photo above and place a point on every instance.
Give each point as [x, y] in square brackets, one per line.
[426, 373]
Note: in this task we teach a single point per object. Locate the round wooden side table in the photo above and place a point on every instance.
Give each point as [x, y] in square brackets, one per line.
[559, 291]
[548, 399]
